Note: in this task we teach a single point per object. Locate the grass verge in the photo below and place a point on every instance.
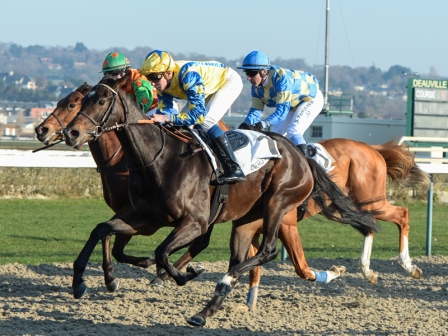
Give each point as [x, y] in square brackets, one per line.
[36, 231]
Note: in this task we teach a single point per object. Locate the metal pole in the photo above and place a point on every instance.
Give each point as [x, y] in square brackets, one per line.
[327, 34]
[429, 216]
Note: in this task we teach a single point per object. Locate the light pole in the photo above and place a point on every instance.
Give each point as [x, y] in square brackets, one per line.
[327, 34]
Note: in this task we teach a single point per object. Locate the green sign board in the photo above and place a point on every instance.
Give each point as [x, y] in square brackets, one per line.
[427, 108]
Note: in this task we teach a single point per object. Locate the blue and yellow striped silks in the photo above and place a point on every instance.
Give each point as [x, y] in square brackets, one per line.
[284, 89]
[192, 81]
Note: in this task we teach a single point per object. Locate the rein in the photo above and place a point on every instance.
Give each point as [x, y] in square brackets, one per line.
[99, 170]
[100, 128]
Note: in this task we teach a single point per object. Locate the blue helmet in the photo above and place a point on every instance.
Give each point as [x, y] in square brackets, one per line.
[256, 60]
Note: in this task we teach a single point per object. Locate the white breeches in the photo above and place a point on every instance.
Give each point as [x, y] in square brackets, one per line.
[218, 103]
[298, 120]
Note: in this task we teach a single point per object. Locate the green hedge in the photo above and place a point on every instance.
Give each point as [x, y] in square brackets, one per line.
[50, 182]
[86, 182]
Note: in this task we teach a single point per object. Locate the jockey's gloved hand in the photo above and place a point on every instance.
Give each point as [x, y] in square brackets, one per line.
[259, 126]
[246, 126]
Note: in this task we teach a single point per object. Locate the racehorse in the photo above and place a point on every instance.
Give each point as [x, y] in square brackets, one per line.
[358, 170]
[173, 188]
[112, 166]
[362, 170]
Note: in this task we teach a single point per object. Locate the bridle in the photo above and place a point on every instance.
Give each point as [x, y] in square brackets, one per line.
[61, 130]
[100, 127]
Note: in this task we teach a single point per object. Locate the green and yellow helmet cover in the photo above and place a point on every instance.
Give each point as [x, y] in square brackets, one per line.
[115, 61]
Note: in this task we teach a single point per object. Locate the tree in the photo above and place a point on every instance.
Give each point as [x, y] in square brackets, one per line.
[396, 70]
[80, 47]
[15, 50]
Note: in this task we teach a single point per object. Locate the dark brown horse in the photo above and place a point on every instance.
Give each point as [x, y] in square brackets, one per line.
[172, 188]
[112, 166]
[111, 163]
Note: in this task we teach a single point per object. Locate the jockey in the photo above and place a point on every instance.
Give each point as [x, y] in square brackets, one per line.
[210, 89]
[137, 87]
[295, 95]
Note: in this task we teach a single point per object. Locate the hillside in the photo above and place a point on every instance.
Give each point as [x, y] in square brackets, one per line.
[57, 70]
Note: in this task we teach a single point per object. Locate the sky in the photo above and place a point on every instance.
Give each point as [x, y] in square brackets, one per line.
[383, 33]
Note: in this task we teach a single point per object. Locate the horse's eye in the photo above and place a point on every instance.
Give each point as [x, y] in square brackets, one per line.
[102, 102]
[72, 105]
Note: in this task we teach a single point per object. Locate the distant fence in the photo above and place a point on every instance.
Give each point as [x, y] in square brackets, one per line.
[47, 159]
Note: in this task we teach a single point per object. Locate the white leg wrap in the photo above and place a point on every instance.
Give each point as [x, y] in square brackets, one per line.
[404, 259]
[364, 260]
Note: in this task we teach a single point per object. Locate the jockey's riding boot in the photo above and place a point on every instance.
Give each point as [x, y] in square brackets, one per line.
[233, 170]
[304, 149]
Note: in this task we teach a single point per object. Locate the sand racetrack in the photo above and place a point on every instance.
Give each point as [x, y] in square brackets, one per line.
[37, 300]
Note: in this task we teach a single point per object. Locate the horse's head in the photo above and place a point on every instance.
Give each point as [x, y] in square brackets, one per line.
[51, 129]
[97, 112]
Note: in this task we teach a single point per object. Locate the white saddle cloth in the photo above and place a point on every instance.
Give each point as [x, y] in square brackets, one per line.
[322, 157]
[254, 155]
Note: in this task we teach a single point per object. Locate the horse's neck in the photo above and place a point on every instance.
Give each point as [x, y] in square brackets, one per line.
[105, 148]
[142, 143]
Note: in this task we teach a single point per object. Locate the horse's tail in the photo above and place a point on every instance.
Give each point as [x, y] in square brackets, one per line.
[336, 206]
[401, 167]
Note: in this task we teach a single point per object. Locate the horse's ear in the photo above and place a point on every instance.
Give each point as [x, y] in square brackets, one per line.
[84, 88]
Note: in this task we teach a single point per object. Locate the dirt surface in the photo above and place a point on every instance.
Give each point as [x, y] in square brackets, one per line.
[37, 300]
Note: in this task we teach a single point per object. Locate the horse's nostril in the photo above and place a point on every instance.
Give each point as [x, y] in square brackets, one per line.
[73, 133]
[43, 130]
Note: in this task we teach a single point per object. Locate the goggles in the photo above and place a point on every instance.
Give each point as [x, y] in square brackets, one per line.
[122, 72]
[154, 77]
[251, 73]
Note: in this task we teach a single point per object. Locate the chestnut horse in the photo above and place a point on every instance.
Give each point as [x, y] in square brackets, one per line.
[362, 170]
[173, 188]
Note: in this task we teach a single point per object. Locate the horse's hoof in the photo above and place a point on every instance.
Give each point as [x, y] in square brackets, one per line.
[79, 290]
[196, 271]
[243, 308]
[112, 286]
[196, 321]
[222, 289]
[157, 282]
[417, 274]
[373, 278]
[339, 270]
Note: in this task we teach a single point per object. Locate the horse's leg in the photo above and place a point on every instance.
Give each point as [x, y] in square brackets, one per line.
[183, 235]
[364, 260]
[196, 247]
[254, 278]
[240, 239]
[273, 213]
[108, 268]
[289, 236]
[400, 216]
[102, 230]
[118, 253]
